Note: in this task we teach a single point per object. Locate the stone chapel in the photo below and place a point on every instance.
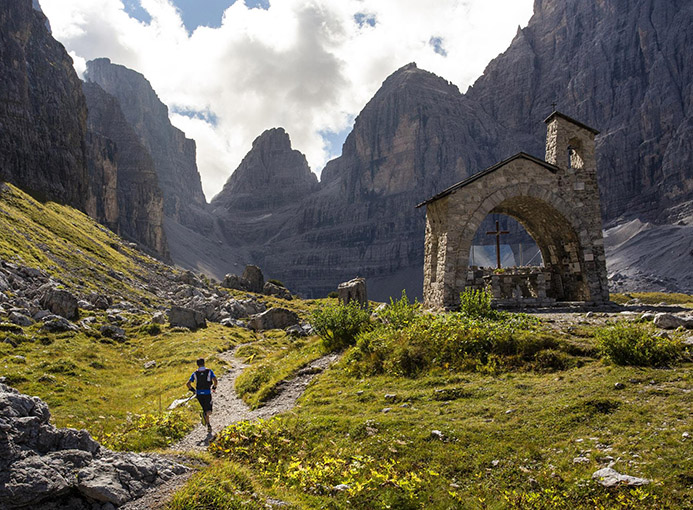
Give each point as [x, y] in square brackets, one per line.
[556, 201]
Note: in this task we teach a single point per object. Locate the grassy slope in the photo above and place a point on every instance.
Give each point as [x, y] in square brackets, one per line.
[70, 246]
[88, 381]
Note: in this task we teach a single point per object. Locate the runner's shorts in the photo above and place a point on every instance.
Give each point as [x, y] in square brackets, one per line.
[206, 402]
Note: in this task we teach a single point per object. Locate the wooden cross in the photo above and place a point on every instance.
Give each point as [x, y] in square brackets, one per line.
[498, 233]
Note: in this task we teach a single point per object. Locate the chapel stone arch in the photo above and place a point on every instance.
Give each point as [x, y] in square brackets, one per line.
[556, 200]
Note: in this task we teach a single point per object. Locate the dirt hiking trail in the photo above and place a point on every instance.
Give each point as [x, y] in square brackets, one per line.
[228, 409]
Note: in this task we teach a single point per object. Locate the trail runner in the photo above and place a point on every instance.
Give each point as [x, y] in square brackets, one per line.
[205, 383]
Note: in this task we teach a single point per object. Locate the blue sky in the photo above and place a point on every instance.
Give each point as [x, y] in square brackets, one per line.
[195, 13]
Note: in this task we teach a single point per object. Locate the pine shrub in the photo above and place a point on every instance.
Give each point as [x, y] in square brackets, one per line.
[338, 325]
[627, 343]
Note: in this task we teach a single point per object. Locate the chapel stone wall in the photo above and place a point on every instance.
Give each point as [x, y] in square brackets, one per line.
[558, 204]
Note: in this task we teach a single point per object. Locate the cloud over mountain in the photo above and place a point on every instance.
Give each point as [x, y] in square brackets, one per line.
[306, 66]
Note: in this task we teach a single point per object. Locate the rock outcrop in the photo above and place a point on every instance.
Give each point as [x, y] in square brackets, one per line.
[45, 467]
[186, 318]
[172, 153]
[353, 290]
[42, 110]
[139, 202]
[102, 200]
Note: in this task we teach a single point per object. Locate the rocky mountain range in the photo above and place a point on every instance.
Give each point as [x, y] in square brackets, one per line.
[193, 235]
[616, 65]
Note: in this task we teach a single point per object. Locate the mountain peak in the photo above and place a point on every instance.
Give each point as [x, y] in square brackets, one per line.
[271, 175]
[274, 139]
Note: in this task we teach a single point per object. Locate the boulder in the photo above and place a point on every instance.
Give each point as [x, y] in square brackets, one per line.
[188, 278]
[85, 305]
[300, 330]
[57, 324]
[60, 302]
[271, 289]
[233, 323]
[671, 321]
[353, 290]
[609, 477]
[20, 319]
[186, 317]
[241, 308]
[41, 314]
[233, 281]
[253, 278]
[274, 318]
[114, 332]
[159, 318]
[100, 301]
[210, 307]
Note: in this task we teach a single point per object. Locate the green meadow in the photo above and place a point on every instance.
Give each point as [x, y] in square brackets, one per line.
[475, 409]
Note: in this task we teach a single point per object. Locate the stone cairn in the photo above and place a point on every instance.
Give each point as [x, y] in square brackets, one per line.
[353, 290]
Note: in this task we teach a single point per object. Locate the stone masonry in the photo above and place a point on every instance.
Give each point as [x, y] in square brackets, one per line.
[557, 201]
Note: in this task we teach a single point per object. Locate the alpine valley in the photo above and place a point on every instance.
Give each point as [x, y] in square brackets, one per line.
[614, 65]
[117, 276]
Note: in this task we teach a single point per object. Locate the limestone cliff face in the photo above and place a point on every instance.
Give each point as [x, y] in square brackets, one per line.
[622, 66]
[138, 199]
[173, 154]
[42, 110]
[270, 177]
[195, 238]
[102, 200]
[417, 134]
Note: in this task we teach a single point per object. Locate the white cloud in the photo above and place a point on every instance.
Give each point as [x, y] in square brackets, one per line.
[305, 65]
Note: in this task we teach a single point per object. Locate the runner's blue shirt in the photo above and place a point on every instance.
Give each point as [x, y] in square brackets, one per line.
[209, 378]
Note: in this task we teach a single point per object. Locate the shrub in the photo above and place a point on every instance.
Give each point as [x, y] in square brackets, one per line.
[628, 343]
[11, 328]
[221, 487]
[64, 367]
[147, 431]
[338, 325]
[400, 313]
[334, 294]
[476, 303]
[552, 359]
[452, 341]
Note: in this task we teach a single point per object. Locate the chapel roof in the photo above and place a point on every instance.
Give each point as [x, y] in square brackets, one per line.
[483, 173]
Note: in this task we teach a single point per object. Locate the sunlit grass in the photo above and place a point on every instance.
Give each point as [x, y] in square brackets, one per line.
[654, 298]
